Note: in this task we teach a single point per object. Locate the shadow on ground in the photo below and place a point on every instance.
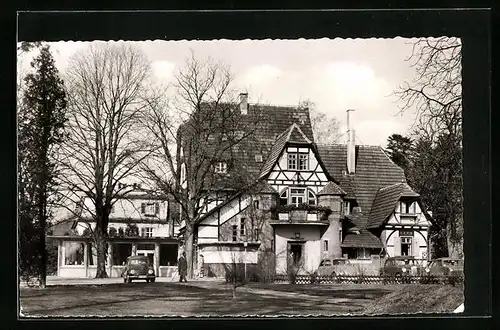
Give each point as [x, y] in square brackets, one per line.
[174, 299]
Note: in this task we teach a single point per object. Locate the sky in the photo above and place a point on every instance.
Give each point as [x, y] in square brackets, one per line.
[335, 74]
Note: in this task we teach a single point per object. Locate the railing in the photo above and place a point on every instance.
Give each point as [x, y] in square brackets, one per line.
[369, 279]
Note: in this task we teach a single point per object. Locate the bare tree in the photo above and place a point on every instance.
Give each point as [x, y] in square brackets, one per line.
[325, 128]
[194, 137]
[107, 87]
[435, 94]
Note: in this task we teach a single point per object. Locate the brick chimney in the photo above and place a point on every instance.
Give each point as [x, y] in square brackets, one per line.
[351, 145]
[244, 103]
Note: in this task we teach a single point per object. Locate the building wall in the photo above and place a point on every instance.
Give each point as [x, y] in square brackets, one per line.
[159, 229]
[332, 233]
[393, 241]
[309, 235]
[129, 208]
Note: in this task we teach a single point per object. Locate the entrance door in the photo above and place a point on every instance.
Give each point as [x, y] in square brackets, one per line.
[296, 254]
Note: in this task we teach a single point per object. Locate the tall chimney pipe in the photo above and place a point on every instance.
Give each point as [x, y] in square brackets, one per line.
[351, 145]
[244, 103]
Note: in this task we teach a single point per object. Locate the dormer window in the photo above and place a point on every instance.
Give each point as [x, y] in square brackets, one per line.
[407, 207]
[221, 167]
[298, 161]
[258, 158]
[150, 209]
[296, 196]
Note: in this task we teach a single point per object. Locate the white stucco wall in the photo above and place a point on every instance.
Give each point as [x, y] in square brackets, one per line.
[419, 245]
[228, 257]
[311, 249]
[128, 208]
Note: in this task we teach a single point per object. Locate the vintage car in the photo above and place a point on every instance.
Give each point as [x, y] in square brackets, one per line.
[401, 266]
[445, 267]
[336, 266]
[138, 268]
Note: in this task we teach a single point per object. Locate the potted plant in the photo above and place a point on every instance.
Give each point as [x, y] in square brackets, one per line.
[299, 212]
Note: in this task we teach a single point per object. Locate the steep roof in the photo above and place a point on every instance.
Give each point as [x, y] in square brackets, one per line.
[272, 125]
[374, 170]
[331, 189]
[385, 202]
[364, 239]
[292, 134]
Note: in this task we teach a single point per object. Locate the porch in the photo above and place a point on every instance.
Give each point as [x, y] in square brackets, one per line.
[77, 256]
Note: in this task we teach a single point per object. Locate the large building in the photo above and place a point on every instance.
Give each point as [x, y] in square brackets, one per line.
[140, 224]
[307, 201]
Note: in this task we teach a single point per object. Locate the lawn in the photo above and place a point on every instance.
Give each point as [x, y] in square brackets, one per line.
[419, 298]
[198, 299]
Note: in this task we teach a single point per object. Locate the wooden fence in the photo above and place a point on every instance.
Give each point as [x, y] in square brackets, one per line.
[368, 279]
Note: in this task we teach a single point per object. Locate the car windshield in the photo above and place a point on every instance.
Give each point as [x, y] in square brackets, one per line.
[138, 262]
[326, 263]
[339, 262]
[452, 262]
[404, 262]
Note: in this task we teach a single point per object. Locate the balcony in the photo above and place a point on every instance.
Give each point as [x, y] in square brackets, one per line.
[301, 214]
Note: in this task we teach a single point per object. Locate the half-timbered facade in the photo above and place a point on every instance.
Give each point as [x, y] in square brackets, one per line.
[309, 201]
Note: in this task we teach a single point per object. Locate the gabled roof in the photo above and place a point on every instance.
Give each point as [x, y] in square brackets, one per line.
[364, 239]
[374, 170]
[292, 134]
[331, 189]
[359, 220]
[385, 202]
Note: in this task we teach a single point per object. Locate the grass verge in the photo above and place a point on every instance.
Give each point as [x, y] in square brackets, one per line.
[419, 298]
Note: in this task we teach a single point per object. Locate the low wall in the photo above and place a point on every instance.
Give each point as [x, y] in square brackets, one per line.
[167, 271]
[219, 269]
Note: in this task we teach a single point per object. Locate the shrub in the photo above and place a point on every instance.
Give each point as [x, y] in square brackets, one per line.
[121, 233]
[132, 230]
[112, 232]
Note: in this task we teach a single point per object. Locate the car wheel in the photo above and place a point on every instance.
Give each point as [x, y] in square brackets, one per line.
[129, 280]
[152, 280]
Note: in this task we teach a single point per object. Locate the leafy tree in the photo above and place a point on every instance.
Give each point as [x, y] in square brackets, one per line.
[400, 150]
[42, 120]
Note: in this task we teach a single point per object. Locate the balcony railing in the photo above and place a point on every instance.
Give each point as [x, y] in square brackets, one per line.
[302, 214]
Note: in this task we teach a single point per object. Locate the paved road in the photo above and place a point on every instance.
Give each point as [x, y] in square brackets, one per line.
[111, 297]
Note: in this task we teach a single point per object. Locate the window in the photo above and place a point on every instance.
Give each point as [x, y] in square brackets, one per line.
[325, 262]
[73, 253]
[221, 167]
[347, 207]
[298, 161]
[303, 162]
[408, 207]
[150, 209]
[235, 233]
[297, 196]
[363, 253]
[340, 235]
[311, 197]
[242, 226]
[258, 158]
[292, 161]
[325, 245]
[406, 246]
[256, 234]
[256, 205]
[147, 231]
[92, 255]
[284, 198]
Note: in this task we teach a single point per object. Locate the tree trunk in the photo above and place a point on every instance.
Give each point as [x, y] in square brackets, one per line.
[101, 254]
[43, 259]
[188, 248]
